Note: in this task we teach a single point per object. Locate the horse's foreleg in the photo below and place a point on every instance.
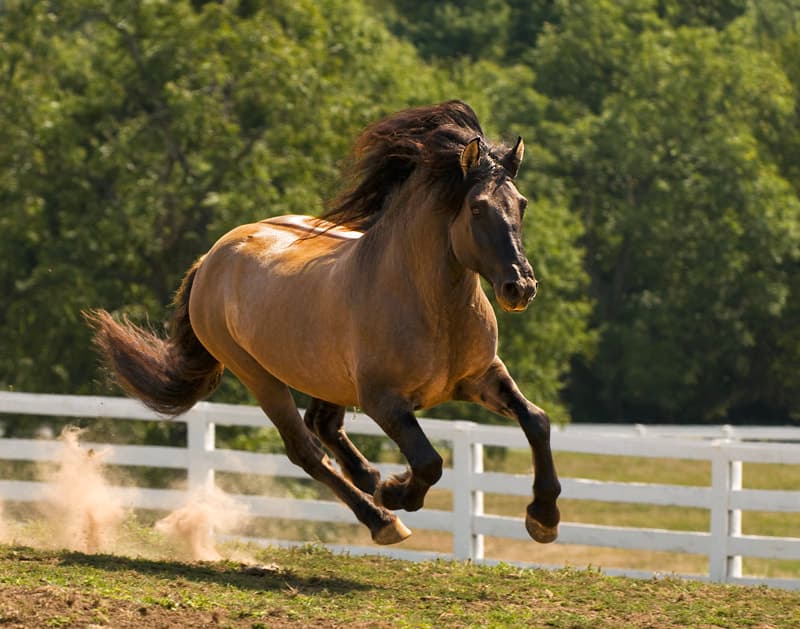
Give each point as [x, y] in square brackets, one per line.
[407, 490]
[498, 392]
[327, 421]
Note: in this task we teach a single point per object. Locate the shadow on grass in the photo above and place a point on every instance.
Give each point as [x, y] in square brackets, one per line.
[224, 573]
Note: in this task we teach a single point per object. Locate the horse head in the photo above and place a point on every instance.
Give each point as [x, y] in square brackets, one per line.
[486, 233]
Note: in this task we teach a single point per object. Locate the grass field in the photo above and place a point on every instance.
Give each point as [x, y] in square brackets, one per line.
[310, 587]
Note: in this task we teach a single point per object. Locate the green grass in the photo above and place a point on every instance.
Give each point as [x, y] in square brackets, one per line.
[311, 587]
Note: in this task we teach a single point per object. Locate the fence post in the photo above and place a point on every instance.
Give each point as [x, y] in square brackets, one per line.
[477, 497]
[467, 461]
[200, 441]
[726, 476]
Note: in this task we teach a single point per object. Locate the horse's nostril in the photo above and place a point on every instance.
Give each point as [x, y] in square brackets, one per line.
[511, 291]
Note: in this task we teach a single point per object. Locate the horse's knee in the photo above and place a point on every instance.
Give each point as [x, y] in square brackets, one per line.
[307, 455]
[536, 425]
[295, 457]
[329, 433]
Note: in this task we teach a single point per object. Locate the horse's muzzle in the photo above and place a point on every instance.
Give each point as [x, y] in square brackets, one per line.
[517, 295]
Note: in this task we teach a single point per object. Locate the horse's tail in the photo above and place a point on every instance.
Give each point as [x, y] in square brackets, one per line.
[169, 375]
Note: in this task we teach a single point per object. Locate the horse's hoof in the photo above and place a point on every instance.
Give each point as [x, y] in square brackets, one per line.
[392, 533]
[539, 532]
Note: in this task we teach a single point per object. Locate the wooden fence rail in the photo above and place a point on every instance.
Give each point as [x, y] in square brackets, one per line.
[725, 448]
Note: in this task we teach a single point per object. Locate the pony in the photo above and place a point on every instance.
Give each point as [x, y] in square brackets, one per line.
[376, 304]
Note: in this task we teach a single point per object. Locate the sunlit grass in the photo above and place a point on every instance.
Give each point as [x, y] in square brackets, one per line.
[310, 587]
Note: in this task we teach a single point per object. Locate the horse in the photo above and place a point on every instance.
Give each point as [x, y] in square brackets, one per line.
[375, 304]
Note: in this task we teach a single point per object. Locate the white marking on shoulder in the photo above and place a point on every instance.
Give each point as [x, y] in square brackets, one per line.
[314, 225]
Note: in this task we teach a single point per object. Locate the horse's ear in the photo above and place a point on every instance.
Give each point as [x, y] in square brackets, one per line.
[513, 158]
[471, 155]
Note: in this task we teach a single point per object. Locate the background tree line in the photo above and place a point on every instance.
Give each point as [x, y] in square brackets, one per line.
[663, 150]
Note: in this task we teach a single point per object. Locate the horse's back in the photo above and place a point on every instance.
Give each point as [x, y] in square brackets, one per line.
[274, 290]
[313, 226]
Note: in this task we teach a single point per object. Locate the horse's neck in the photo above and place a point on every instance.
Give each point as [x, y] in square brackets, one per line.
[413, 242]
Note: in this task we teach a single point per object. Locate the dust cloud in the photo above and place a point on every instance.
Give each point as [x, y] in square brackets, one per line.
[81, 510]
[80, 507]
[206, 512]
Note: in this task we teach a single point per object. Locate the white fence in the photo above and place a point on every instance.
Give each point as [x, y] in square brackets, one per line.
[724, 543]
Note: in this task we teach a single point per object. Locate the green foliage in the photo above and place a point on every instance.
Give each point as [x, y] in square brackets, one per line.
[691, 229]
[662, 168]
[716, 13]
[445, 29]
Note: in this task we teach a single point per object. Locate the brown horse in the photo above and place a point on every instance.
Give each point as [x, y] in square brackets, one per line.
[378, 306]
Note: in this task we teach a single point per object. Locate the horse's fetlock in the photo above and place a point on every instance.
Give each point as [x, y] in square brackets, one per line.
[367, 480]
[430, 471]
[548, 494]
[390, 494]
[414, 503]
[544, 512]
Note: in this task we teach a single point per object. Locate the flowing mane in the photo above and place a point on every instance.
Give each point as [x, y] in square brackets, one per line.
[386, 154]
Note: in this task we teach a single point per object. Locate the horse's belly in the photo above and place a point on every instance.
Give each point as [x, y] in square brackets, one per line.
[309, 369]
[298, 340]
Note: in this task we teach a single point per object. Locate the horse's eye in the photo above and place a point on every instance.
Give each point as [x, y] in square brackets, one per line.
[479, 206]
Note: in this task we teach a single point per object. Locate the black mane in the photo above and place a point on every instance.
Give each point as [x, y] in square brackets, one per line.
[388, 151]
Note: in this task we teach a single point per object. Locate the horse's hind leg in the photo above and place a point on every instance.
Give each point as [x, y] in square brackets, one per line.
[327, 421]
[304, 449]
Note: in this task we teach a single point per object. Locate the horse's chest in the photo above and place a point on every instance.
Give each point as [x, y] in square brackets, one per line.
[422, 353]
[464, 353]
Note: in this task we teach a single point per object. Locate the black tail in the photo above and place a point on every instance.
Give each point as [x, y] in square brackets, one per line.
[169, 375]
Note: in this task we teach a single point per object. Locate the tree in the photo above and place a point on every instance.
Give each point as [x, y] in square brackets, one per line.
[690, 225]
[472, 29]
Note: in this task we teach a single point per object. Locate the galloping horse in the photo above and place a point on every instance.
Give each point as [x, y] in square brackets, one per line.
[378, 304]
